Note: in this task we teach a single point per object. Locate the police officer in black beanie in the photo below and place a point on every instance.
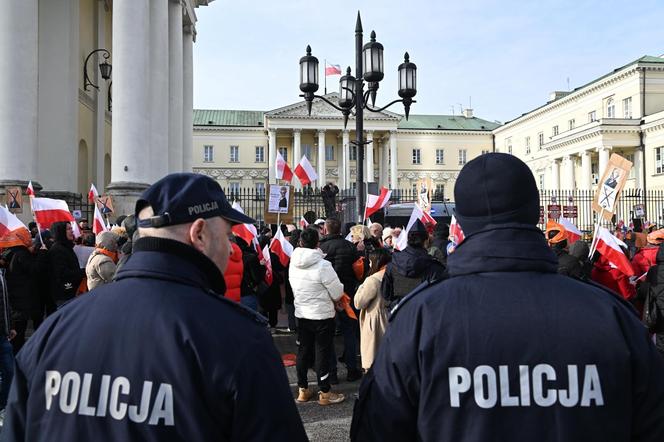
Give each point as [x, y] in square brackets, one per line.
[505, 348]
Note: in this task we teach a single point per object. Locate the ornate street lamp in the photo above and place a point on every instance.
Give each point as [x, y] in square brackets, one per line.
[368, 67]
[105, 69]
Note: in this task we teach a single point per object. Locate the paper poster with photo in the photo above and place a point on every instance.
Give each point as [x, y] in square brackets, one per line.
[424, 191]
[279, 202]
[610, 185]
[105, 204]
[14, 199]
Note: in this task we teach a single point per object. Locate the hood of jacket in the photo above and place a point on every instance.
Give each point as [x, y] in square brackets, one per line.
[303, 258]
[412, 262]
[503, 248]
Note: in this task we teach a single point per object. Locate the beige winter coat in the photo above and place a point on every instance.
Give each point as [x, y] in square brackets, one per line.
[373, 317]
[99, 270]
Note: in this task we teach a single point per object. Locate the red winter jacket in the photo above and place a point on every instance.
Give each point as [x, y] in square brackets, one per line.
[644, 259]
[612, 278]
[233, 274]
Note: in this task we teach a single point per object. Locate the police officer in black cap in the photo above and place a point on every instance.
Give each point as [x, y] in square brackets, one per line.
[506, 349]
[158, 354]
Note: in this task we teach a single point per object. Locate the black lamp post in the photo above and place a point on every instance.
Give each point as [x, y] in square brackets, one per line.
[368, 67]
[105, 69]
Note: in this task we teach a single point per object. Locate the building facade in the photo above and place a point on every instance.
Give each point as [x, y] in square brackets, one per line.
[64, 134]
[239, 148]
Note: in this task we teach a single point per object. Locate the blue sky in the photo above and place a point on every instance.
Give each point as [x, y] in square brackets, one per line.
[507, 55]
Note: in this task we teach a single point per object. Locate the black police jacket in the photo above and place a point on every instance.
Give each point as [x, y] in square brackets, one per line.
[506, 349]
[157, 355]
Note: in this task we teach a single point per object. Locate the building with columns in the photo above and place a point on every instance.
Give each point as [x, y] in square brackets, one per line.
[567, 142]
[133, 129]
[239, 148]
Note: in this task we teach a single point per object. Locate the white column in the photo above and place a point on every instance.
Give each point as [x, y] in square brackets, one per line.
[384, 163]
[369, 178]
[394, 184]
[638, 168]
[131, 159]
[555, 175]
[604, 152]
[175, 94]
[346, 158]
[188, 100]
[568, 180]
[18, 90]
[321, 158]
[586, 171]
[159, 83]
[102, 105]
[297, 154]
[272, 149]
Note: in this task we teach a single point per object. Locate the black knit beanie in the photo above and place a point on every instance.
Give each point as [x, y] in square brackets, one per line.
[495, 188]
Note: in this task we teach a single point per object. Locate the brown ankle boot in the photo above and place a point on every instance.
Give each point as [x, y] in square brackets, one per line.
[304, 395]
[330, 398]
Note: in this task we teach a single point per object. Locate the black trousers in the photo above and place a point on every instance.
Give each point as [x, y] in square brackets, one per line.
[315, 336]
[21, 325]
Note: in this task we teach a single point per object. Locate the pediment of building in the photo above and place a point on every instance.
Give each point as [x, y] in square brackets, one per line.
[322, 110]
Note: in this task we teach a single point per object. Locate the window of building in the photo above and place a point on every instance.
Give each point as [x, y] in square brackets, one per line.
[208, 154]
[352, 152]
[260, 154]
[540, 139]
[485, 151]
[235, 154]
[260, 191]
[284, 154]
[630, 157]
[416, 156]
[571, 123]
[527, 145]
[592, 116]
[554, 131]
[659, 155]
[439, 195]
[462, 156]
[610, 108]
[508, 145]
[306, 151]
[541, 181]
[440, 156]
[627, 107]
[234, 189]
[329, 153]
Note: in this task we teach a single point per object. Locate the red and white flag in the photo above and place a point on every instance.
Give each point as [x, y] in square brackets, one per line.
[30, 191]
[283, 171]
[377, 202]
[268, 265]
[305, 171]
[417, 213]
[332, 69]
[573, 232]
[609, 247]
[282, 248]
[456, 234]
[9, 222]
[75, 229]
[402, 240]
[247, 232]
[303, 223]
[47, 211]
[98, 224]
[92, 193]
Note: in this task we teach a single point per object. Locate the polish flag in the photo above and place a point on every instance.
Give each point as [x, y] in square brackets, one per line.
[47, 211]
[456, 234]
[247, 232]
[283, 171]
[423, 216]
[268, 265]
[305, 171]
[304, 223]
[573, 232]
[402, 240]
[9, 222]
[375, 203]
[98, 224]
[609, 247]
[31, 190]
[332, 69]
[75, 229]
[282, 248]
[92, 193]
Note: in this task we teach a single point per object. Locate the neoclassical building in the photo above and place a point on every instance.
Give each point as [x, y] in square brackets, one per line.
[239, 148]
[567, 142]
[64, 134]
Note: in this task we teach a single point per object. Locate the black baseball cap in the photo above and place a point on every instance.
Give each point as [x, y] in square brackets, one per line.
[181, 198]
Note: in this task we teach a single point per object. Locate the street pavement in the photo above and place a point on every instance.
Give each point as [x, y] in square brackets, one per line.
[330, 423]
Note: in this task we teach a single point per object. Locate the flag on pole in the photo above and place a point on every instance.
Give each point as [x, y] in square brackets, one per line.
[332, 69]
[47, 211]
[402, 240]
[573, 232]
[98, 223]
[268, 265]
[456, 234]
[9, 222]
[303, 223]
[30, 191]
[609, 247]
[247, 232]
[280, 247]
[92, 193]
[283, 172]
[75, 229]
[305, 171]
[377, 202]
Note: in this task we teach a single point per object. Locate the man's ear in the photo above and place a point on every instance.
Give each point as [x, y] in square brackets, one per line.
[198, 234]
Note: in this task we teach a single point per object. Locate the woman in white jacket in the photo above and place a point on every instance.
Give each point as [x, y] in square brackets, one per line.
[316, 289]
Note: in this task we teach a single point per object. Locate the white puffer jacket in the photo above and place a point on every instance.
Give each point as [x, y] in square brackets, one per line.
[315, 284]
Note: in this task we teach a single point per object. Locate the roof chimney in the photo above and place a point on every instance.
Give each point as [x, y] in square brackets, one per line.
[556, 95]
[468, 113]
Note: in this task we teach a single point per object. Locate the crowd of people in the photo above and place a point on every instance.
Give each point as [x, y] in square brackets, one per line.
[503, 335]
